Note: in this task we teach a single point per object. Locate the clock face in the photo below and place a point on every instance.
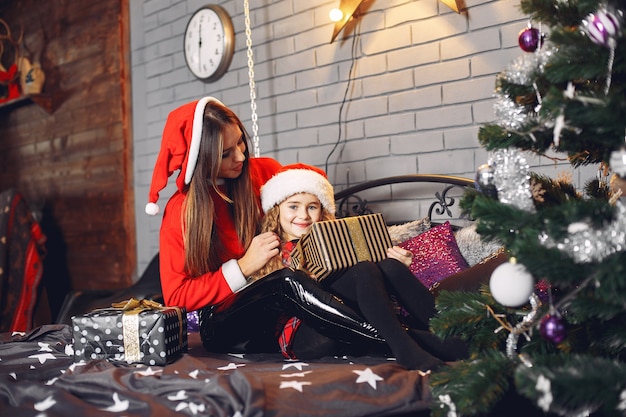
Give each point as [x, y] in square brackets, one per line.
[209, 43]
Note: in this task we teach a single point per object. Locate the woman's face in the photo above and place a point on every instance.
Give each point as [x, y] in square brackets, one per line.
[233, 155]
[297, 213]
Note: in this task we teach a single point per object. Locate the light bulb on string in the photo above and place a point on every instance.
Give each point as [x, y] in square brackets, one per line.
[335, 15]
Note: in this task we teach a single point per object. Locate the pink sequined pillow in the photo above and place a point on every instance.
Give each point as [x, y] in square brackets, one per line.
[436, 254]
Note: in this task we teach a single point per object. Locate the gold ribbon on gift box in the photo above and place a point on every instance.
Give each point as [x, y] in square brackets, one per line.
[357, 238]
[130, 324]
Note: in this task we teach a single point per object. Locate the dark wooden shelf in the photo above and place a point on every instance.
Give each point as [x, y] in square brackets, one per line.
[42, 100]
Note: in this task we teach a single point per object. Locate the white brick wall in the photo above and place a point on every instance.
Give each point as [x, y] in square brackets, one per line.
[422, 84]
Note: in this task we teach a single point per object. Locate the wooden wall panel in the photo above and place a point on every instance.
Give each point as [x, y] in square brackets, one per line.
[73, 161]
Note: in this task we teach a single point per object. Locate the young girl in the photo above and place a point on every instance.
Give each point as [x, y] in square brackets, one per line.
[208, 242]
[300, 195]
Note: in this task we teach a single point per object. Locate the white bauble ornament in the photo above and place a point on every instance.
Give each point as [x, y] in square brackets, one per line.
[511, 284]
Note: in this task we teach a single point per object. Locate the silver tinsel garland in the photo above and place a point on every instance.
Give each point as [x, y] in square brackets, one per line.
[523, 327]
[510, 115]
[585, 244]
[521, 71]
[512, 179]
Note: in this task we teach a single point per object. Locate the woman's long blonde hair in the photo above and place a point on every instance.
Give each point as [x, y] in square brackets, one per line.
[202, 247]
[271, 223]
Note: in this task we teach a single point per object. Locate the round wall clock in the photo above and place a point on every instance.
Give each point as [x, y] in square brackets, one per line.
[209, 42]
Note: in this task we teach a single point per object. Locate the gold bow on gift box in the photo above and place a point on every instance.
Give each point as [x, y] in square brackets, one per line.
[134, 304]
[130, 324]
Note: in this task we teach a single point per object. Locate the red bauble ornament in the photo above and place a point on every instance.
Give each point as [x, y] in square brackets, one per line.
[530, 39]
[552, 328]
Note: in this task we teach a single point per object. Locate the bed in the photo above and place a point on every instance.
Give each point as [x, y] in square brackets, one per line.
[38, 375]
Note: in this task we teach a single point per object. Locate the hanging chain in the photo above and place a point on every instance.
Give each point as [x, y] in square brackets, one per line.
[255, 126]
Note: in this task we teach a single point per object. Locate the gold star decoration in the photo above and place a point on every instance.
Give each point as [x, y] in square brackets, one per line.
[348, 7]
[455, 5]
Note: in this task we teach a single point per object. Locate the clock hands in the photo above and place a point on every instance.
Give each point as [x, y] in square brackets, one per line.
[200, 45]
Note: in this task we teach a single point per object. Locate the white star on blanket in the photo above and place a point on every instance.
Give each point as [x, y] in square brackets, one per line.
[297, 385]
[45, 404]
[44, 347]
[194, 408]
[297, 365]
[231, 366]
[73, 366]
[118, 405]
[43, 357]
[149, 372]
[367, 376]
[179, 396]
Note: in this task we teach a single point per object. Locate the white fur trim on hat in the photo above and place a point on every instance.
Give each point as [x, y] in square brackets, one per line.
[196, 136]
[152, 209]
[293, 181]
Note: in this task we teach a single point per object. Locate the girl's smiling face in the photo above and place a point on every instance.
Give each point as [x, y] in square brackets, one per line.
[297, 213]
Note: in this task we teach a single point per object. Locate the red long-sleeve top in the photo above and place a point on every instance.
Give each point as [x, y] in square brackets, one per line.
[193, 293]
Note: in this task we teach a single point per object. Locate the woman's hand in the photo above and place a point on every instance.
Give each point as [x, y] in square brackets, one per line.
[402, 255]
[262, 248]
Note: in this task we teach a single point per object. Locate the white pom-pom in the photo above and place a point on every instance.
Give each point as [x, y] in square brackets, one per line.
[152, 209]
[511, 284]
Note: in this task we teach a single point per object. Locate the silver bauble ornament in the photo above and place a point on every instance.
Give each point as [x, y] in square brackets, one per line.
[486, 181]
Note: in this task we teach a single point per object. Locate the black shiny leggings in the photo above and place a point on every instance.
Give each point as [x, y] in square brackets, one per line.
[367, 287]
[247, 320]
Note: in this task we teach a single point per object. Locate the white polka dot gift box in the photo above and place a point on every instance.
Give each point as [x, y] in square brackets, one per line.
[133, 331]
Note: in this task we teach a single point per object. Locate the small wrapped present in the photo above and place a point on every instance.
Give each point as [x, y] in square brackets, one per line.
[330, 247]
[131, 331]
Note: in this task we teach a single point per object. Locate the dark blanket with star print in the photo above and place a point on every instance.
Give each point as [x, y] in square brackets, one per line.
[38, 377]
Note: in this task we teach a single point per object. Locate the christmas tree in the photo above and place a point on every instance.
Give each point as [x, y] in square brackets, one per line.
[549, 328]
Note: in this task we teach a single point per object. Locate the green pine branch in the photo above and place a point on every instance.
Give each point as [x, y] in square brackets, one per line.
[471, 388]
[574, 384]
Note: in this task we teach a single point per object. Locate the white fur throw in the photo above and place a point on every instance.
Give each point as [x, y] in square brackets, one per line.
[403, 232]
[472, 247]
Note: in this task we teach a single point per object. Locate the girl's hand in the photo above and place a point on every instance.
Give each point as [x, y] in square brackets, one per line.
[402, 255]
[262, 248]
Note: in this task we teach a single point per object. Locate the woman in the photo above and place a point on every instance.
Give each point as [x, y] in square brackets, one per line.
[208, 242]
[293, 200]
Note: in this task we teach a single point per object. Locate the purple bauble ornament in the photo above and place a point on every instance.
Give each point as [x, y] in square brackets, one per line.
[529, 39]
[552, 328]
[193, 322]
[602, 28]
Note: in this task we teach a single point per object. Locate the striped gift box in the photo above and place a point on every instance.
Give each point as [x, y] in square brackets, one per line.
[330, 247]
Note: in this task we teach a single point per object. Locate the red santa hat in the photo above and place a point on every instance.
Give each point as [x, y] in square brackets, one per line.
[297, 178]
[180, 145]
